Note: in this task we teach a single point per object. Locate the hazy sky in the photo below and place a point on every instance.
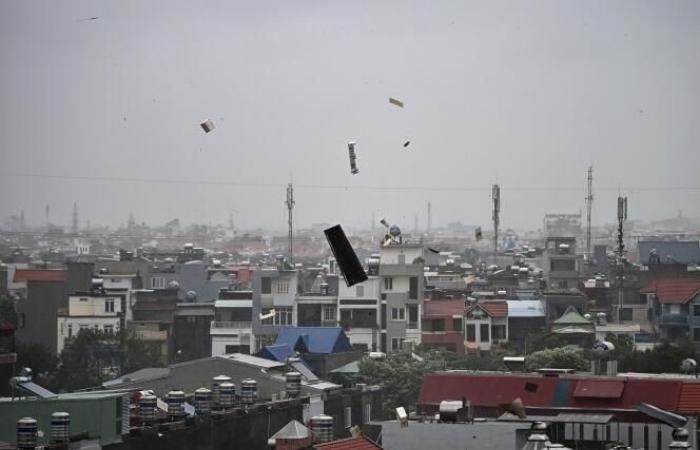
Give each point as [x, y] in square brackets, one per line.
[525, 94]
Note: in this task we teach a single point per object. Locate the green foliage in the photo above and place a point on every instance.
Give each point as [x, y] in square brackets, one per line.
[90, 358]
[666, 357]
[139, 354]
[567, 357]
[39, 359]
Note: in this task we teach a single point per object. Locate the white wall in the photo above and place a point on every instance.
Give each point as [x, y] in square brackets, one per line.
[76, 322]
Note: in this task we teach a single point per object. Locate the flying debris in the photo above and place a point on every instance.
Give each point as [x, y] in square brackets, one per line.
[433, 250]
[269, 315]
[406, 144]
[207, 126]
[88, 18]
[353, 158]
[344, 254]
[477, 234]
[396, 102]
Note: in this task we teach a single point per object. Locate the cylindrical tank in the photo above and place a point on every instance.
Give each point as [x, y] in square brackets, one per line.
[249, 391]
[227, 391]
[215, 382]
[27, 433]
[202, 401]
[293, 384]
[176, 405]
[60, 428]
[322, 428]
[147, 405]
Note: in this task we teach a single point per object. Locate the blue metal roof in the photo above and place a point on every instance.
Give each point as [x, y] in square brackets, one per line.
[277, 352]
[320, 340]
[684, 252]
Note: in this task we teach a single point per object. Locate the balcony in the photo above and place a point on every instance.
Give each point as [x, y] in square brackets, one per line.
[229, 327]
[673, 320]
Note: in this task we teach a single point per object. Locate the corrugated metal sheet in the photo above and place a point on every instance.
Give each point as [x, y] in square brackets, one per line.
[689, 400]
[40, 275]
[599, 389]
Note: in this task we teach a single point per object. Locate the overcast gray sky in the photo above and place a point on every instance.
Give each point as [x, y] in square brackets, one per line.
[526, 94]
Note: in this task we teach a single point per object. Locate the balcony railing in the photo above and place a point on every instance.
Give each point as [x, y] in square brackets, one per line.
[231, 325]
[673, 320]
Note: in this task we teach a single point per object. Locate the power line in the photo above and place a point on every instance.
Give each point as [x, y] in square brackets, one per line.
[343, 187]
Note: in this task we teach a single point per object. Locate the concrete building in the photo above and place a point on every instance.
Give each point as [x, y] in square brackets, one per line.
[561, 263]
[486, 326]
[88, 310]
[231, 330]
[274, 305]
[443, 324]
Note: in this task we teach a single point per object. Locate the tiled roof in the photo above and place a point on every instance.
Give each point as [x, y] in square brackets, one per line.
[40, 275]
[444, 307]
[689, 400]
[493, 309]
[673, 290]
[353, 443]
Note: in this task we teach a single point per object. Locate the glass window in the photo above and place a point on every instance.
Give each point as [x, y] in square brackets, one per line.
[283, 316]
[696, 310]
[109, 329]
[412, 316]
[329, 313]
[157, 283]
[388, 284]
[396, 344]
[282, 286]
[457, 324]
[696, 334]
[484, 330]
[70, 330]
[266, 287]
[438, 324]
[471, 332]
[109, 305]
[398, 314]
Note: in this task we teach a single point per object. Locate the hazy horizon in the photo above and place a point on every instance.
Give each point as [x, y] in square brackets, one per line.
[521, 94]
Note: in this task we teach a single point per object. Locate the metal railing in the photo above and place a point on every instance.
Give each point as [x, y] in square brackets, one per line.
[673, 319]
[231, 325]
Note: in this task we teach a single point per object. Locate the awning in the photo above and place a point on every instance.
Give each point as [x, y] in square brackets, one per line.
[599, 389]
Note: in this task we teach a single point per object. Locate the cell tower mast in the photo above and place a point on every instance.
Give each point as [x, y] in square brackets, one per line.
[430, 207]
[589, 210]
[74, 227]
[621, 218]
[290, 207]
[496, 196]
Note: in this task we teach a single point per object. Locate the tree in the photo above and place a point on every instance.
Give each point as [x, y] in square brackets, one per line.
[139, 354]
[401, 377]
[87, 360]
[567, 357]
[39, 359]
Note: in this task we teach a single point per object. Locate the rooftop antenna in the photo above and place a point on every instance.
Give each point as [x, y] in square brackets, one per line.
[290, 208]
[496, 196]
[46, 213]
[74, 226]
[621, 218]
[589, 208]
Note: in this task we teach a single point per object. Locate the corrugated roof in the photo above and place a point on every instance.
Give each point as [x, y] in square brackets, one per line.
[525, 308]
[689, 400]
[599, 389]
[444, 307]
[252, 360]
[673, 290]
[353, 443]
[322, 340]
[40, 275]
[684, 252]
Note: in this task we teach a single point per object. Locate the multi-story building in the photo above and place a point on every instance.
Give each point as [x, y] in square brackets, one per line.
[231, 330]
[401, 295]
[561, 263]
[486, 325]
[94, 310]
[443, 324]
[274, 302]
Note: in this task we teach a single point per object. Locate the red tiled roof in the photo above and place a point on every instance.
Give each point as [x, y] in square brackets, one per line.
[673, 290]
[493, 309]
[353, 443]
[444, 307]
[40, 275]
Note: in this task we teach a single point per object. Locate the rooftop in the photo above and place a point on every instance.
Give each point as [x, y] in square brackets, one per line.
[51, 275]
[673, 290]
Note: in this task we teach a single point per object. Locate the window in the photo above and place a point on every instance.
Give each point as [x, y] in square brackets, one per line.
[413, 288]
[696, 334]
[348, 417]
[329, 313]
[457, 324]
[626, 314]
[396, 344]
[109, 329]
[70, 330]
[398, 314]
[367, 415]
[266, 287]
[531, 387]
[359, 291]
[157, 283]
[484, 330]
[696, 310]
[283, 316]
[83, 299]
[499, 332]
[282, 286]
[388, 284]
[84, 327]
[22, 320]
[96, 327]
[471, 333]
[438, 324]
[413, 316]
[109, 305]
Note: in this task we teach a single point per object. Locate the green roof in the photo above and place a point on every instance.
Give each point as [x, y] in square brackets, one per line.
[572, 316]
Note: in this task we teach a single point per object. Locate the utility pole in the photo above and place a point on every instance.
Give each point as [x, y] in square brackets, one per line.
[429, 217]
[372, 227]
[496, 196]
[621, 218]
[290, 207]
[589, 209]
[74, 227]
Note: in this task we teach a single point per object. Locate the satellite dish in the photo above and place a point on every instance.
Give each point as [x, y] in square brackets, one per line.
[689, 365]
[602, 349]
